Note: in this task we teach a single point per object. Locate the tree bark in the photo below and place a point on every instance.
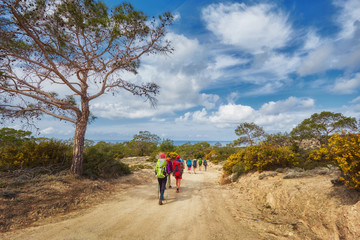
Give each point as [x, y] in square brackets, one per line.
[79, 138]
[78, 151]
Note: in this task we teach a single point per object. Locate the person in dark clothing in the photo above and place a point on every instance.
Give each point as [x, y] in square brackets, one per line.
[161, 171]
[205, 164]
[194, 165]
[170, 167]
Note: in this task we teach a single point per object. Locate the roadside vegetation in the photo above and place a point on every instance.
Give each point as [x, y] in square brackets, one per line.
[323, 139]
[20, 150]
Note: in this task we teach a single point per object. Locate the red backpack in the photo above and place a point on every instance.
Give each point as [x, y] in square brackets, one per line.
[182, 166]
[176, 168]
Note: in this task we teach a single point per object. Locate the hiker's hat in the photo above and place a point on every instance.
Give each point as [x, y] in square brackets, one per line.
[177, 157]
[162, 155]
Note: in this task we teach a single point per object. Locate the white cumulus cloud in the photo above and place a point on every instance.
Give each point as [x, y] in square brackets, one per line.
[251, 28]
[347, 86]
[282, 114]
[290, 104]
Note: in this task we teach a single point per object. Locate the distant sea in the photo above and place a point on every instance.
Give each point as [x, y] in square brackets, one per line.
[176, 142]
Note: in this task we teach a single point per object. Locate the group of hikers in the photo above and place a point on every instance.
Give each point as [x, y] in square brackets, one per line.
[194, 164]
[167, 167]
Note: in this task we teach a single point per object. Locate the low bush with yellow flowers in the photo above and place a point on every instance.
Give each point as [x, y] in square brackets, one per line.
[345, 149]
[321, 157]
[232, 160]
[33, 154]
[172, 155]
[212, 155]
[264, 156]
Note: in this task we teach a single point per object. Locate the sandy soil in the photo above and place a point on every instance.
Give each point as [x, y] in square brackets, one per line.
[270, 208]
[199, 211]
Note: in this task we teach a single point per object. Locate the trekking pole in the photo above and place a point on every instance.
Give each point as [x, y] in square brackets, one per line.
[167, 192]
[158, 190]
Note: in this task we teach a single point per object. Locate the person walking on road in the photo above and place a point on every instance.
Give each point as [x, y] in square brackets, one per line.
[177, 173]
[200, 163]
[205, 164]
[189, 164]
[194, 165]
[170, 165]
[182, 164]
[161, 171]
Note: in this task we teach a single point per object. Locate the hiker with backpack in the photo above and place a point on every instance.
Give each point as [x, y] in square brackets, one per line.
[177, 172]
[182, 165]
[200, 163]
[205, 164]
[170, 164]
[194, 165]
[189, 164]
[161, 172]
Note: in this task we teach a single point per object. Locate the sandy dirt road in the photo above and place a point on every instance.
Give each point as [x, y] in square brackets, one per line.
[202, 210]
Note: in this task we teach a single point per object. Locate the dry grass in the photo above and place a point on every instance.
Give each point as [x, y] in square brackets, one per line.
[27, 196]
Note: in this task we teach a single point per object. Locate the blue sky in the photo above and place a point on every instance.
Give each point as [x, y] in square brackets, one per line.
[274, 63]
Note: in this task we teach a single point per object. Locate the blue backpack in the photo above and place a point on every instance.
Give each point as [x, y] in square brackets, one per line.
[188, 162]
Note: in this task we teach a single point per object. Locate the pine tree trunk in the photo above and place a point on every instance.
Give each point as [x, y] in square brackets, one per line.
[78, 151]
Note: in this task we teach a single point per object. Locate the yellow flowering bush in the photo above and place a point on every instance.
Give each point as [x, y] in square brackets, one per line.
[321, 155]
[345, 149]
[33, 154]
[212, 155]
[261, 157]
[172, 155]
[267, 156]
[232, 160]
[319, 158]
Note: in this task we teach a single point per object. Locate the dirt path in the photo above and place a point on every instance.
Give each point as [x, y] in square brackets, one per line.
[202, 210]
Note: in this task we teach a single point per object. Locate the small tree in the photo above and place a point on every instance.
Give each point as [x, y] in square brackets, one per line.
[167, 145]
[10, 136]
[320, 126]
[248, 133]
[279, 139]
[143, 143]
[78, 48]
[199, 154]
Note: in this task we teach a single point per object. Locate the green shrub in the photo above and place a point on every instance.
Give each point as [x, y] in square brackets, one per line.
[100, 162]
[238, 170]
